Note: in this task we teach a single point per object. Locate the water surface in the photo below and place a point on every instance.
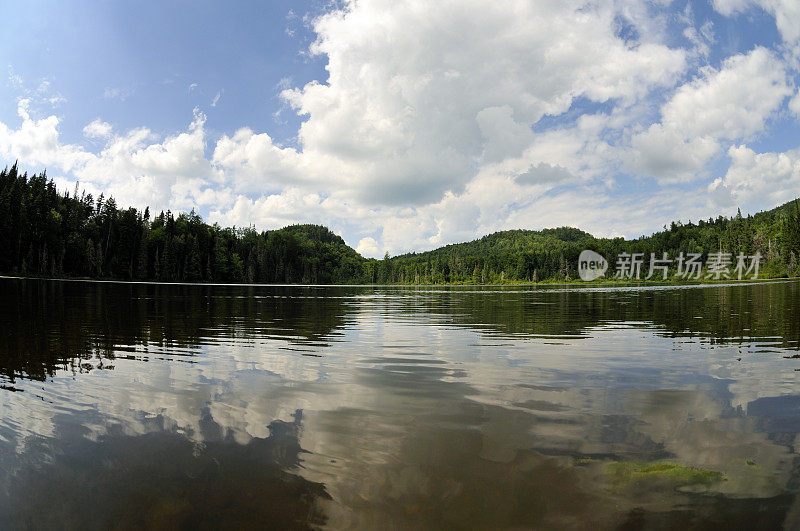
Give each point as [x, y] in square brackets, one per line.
[168, 406]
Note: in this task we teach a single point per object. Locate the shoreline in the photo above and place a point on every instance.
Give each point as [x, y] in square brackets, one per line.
[544, 283]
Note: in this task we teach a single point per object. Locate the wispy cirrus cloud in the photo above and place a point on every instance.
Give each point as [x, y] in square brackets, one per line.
[117, 93]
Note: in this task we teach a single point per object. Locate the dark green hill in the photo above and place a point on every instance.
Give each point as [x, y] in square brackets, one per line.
[317, 233]
[46, 233]
[516, 240]
[552, 254]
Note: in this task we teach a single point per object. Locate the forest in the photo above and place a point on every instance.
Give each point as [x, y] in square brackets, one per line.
[44, 232]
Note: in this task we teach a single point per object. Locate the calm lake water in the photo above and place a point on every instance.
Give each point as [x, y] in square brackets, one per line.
[168, 406]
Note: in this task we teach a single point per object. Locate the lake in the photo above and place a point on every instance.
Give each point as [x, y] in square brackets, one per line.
[184, 406]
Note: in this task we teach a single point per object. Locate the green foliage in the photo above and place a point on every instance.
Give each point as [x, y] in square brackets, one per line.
[45, 233]
[552, 254]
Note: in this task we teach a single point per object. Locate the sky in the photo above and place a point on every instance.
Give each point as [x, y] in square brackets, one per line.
[404, 126]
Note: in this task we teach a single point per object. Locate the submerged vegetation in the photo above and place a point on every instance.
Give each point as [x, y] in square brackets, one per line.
[623, 473]
[44, 232]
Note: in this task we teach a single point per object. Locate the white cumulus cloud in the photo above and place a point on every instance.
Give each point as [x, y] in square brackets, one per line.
[758, 180]
[97, 129]
[729, 103]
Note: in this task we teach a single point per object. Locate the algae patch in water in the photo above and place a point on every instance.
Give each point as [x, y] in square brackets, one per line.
[623, 473]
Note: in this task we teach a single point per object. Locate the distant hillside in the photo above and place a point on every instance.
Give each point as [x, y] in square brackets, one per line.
[552, 254]
[45, 233]
[513, 241]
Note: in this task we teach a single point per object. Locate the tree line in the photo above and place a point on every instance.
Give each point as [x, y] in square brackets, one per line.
[552, 254]
[47, 233]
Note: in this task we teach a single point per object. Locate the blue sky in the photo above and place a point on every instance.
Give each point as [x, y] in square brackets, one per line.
[133, 63]
[409, 125]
